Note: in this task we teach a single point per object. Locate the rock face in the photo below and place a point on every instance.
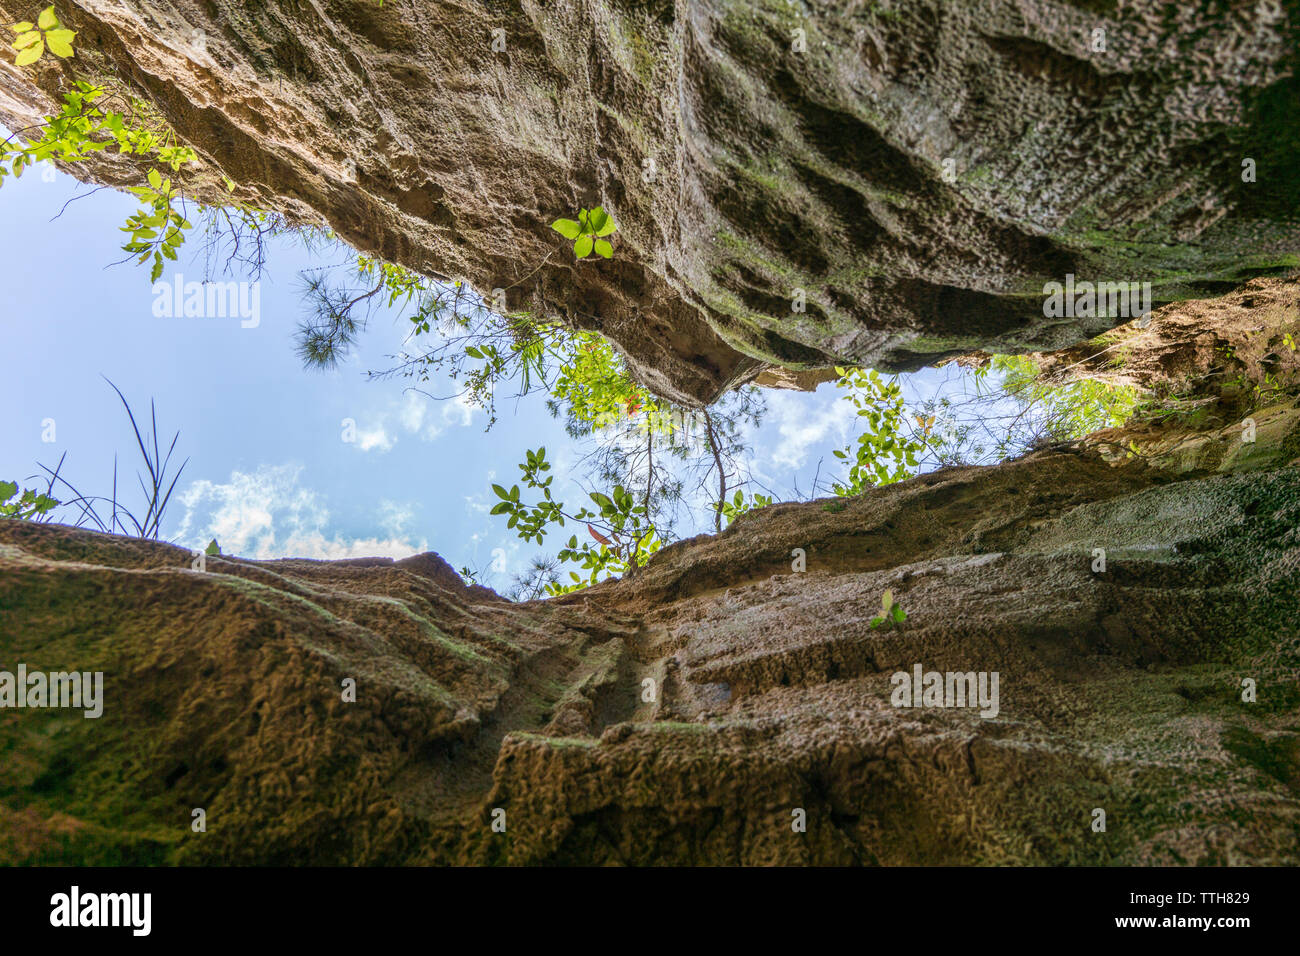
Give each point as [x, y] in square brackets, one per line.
[1136, 596]
[918, 168]
[1120, 690]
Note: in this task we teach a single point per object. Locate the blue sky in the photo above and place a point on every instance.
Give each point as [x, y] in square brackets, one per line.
[269, 474]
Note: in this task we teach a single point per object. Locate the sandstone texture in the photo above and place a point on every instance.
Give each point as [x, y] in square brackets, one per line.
[1163, 690]
[1119, 690]
[919, 168]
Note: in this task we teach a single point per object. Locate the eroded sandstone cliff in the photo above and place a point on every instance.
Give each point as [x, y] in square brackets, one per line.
[919, 167]
[1124, 689]
[1160, 688]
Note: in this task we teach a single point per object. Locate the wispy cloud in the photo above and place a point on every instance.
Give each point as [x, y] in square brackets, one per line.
[267, 514]
[800, 428]
[395, 516]
[413, 414]
[427, 419]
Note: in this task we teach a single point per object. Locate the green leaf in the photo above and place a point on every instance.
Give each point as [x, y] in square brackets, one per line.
[25, 40]
[567, 228]
[60, 42]
[899, 614]
[597, 219]
[22, 27]
[582, 248]
[7, 490]
[155, 180]
[30, 55]
[604, 249]
[606, 227]
[212, 548]
[47, 20]
[501, 492]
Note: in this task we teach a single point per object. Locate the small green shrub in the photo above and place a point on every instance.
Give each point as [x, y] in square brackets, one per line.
[739, 505]
[586, 232]
[893, 613]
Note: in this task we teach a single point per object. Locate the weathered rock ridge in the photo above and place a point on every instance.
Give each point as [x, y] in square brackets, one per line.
[920, 168]
[1120, 689]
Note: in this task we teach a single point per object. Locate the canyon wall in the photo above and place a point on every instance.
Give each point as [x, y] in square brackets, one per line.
[1160, 687]
[918, 168]
[1119, 691]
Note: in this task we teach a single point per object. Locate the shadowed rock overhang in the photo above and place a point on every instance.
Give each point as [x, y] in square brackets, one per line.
[919, 169]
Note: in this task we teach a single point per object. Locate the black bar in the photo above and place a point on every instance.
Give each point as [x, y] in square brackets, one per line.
[332, 906]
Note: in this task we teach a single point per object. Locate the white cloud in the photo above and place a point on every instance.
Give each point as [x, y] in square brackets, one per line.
[458, 412]
[376, 437]
[267, 514]
[394, 516]
[802, 424]
[413, 414]
[428, 418]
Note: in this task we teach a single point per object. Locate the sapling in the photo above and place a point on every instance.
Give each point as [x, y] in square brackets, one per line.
[586, 232]
[893, 613]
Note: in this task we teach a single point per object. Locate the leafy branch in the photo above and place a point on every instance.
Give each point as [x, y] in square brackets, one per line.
[620, 531]
[29, 506]
[157, 229]
[884, 454]
[83, 127]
